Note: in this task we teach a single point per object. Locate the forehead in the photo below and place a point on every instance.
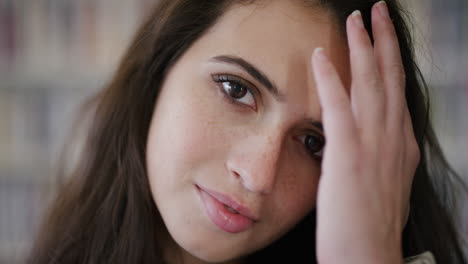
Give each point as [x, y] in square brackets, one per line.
[278, 37]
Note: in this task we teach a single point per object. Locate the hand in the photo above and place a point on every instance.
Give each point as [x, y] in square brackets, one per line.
[371, 153]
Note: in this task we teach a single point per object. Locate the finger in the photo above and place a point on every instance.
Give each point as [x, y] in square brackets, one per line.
[387, 53]
[412, 152]
[367, 95]
[336, 109]
[410, 158]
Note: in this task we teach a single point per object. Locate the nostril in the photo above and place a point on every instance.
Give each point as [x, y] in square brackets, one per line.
[234, 172]
[237, 175]
[230, 169]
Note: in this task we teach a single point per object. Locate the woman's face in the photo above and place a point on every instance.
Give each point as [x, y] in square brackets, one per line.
[234, 145]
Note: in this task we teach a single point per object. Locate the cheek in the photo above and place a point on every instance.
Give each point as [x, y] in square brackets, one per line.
[297, 192]
[184, 128]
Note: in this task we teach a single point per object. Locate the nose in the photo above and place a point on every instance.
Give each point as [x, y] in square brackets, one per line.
[255, 163]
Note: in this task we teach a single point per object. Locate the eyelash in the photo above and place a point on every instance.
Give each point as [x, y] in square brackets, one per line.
[321, 139]
[219, 79]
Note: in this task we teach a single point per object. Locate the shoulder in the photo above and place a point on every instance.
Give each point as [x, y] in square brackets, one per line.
[424, 258]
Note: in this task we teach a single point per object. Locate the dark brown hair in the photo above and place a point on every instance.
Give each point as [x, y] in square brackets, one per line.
[105, 212]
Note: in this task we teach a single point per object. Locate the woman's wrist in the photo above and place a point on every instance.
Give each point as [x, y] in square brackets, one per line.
[371, 259]
[352, 255]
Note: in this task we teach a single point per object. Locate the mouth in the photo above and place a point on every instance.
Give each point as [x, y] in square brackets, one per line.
[231, 210]
[226, 213]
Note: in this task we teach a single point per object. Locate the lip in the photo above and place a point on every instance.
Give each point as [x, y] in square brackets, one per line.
[215, 207]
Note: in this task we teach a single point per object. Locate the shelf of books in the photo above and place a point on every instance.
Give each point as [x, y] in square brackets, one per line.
[56, 53]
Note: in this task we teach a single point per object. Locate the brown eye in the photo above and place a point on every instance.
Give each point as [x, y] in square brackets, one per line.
[314, 144]
[235, 90]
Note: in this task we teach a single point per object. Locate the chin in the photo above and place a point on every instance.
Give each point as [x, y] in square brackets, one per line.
[218, 257]
[210, 251]
[209, 247]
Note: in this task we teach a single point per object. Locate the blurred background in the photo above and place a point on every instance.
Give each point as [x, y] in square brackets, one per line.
[56, 53]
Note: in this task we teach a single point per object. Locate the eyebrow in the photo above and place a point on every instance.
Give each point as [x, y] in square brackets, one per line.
[254, 72]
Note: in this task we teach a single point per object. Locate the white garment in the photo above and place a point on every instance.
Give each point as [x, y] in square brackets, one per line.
[424, 258]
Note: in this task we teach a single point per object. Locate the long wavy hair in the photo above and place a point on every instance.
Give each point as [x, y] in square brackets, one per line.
[104, 212]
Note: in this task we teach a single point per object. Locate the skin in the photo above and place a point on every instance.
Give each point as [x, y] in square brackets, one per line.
[253, 150]
[372, 143]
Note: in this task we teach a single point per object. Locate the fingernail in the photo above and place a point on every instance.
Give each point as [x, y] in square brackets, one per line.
[383, 10]
[319, 54]
[357, 18]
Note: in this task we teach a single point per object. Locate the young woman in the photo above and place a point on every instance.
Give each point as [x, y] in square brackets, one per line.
[208, 146]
